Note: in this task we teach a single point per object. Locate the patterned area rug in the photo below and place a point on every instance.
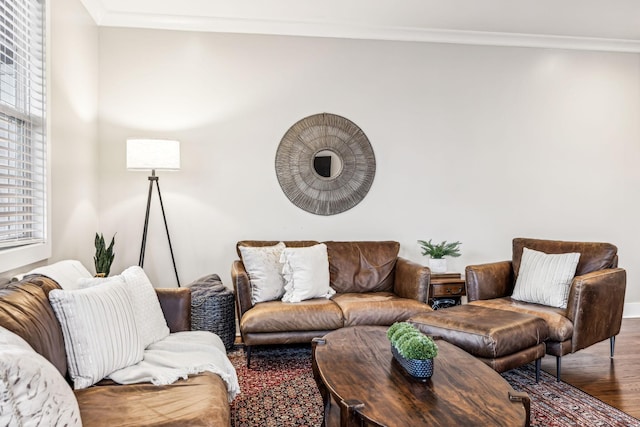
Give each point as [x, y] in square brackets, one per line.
[279, 391]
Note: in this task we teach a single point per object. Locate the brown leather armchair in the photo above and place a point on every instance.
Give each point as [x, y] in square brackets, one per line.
[596, 297]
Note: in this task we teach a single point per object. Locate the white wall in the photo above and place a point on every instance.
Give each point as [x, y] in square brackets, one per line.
[74, 131]
[472, 143]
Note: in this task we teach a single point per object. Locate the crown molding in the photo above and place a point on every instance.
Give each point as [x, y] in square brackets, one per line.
[350, 31]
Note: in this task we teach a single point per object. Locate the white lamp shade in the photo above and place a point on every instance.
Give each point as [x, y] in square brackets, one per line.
[153, 154]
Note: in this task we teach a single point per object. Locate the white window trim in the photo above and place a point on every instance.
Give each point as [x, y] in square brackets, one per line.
[15, 258]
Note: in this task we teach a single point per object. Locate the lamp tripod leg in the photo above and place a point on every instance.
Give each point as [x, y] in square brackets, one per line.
[146, 221]
[166, 227]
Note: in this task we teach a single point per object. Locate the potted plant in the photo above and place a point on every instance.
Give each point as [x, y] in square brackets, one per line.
[412, 349]
[437, 252]
[104, 255]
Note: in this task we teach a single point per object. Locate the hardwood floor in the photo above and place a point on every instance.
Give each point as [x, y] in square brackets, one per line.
[614, 381]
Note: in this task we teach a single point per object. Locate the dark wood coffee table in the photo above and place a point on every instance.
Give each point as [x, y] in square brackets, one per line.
[361, 384]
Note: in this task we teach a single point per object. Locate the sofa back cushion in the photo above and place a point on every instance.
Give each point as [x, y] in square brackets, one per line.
[25, 311]
[593, 255]
[362, 266]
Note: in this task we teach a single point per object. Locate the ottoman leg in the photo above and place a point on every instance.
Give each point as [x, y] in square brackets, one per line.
[558, 367]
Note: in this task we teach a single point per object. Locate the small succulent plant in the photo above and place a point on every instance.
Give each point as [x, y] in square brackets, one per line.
[410, 342]
[104, 255]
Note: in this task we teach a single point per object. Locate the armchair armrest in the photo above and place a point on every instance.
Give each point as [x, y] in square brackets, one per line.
[242, 287]
[411, 280]
[176, 306]
[595, 305]
[487, 281]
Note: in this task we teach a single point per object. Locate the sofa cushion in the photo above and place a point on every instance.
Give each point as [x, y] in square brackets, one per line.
[276, 316]
[99, 330]
[25, 310]
[264, 268]
[560, 327]
[593, 256]
[306, 273]
[32, 391]
[545, 278]
[199, 401]
[362, 266]
[377, 308]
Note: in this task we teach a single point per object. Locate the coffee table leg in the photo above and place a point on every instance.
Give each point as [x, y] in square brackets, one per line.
[326, 397]
[349, 415]
[515, 396]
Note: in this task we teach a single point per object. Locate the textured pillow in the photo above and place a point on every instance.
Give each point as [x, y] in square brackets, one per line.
[99, 330]
[265, 271]
[306, 273]
[150, 320]
[32, 391]
[545, 278]
[152, 324]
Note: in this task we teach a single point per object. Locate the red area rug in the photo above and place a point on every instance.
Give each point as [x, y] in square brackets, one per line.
[279, 391]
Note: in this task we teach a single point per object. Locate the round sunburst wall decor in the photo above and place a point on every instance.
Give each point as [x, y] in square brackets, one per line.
[325, 164]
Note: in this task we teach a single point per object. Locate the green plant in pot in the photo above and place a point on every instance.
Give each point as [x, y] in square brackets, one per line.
[412, 349]
[437, 252]
[104, 255]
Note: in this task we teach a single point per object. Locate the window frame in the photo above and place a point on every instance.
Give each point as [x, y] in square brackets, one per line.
[20, 256]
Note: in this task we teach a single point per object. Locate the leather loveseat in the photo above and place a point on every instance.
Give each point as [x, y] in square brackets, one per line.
[199, 400]
[373, 287]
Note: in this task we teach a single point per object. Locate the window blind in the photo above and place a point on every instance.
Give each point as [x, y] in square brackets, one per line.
[23, 195]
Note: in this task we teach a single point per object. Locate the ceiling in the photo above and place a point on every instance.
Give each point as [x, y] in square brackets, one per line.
[609, 25]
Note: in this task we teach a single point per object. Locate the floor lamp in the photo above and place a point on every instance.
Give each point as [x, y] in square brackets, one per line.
[154, 154]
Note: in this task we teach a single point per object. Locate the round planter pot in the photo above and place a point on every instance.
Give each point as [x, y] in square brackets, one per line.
[438, 265]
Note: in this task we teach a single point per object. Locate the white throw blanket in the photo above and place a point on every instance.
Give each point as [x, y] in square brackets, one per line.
[177, 356]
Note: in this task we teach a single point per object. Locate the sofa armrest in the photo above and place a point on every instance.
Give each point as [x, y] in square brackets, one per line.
[242, 287]
[487, 281]
[595, 305]
[411, 280]
[176, 306]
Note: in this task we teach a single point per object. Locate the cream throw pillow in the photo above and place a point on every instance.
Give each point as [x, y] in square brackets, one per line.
[150, 320]
[99, 329]
[265, 271]
[306, 273]
[152, 324]
[545, 278]
[32, 391]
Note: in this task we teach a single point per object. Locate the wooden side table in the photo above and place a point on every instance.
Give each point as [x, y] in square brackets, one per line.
[446, 290]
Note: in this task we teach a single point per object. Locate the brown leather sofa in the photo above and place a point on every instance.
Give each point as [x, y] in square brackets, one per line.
[596, 297]
[373, 287]
[199, 400]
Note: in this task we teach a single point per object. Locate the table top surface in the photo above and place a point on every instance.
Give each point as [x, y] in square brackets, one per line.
[356, 363]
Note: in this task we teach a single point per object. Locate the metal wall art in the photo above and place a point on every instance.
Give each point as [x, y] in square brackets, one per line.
[325, 164]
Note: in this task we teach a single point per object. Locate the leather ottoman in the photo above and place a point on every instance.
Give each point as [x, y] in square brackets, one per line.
[502, 339]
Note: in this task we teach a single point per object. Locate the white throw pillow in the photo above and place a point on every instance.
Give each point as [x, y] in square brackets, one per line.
[32, 391]
[306, 273]
[99, 329]
[265, 271]
[545, 278]
[66, 273]
[152, 324]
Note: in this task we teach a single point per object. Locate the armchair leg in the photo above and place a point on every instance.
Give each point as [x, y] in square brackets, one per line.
[558, 367]
[612, 344]
[247, 350]
[538, 362]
